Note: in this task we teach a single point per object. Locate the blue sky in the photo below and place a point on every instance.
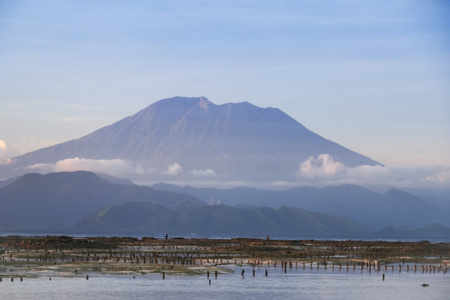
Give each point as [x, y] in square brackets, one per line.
[373, 76]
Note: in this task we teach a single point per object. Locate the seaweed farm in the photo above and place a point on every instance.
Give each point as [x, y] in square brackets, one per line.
[219, 268]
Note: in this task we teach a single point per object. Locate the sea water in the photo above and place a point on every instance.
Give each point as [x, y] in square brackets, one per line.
[296, 283]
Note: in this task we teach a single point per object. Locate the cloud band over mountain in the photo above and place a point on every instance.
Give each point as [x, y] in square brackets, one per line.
[324, 170]
[192, 140]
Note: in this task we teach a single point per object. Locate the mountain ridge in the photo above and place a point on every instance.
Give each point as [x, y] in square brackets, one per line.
[227, 142]
[373, 210]
[84, 203]
[59, 200]
[219, 220]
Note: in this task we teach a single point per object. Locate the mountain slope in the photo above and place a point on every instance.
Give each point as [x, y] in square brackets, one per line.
[233, 141]
[56, 201]
[82, 202]
[372, 210]
[217, 220]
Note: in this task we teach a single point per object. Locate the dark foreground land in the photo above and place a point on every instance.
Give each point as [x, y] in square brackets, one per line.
[67, 256]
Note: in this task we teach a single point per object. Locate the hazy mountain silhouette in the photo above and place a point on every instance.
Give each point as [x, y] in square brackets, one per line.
[7, 182]
[150, 219]
[57, 201]
[369, 209]
[233, 141]
[82, 202]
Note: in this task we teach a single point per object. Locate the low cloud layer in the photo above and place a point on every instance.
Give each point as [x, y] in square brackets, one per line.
[6, 152]
[120, 168]
[173, 169]
[203, 173]
[324, 170]
[315, 171]
[321, 167]
[114, 167]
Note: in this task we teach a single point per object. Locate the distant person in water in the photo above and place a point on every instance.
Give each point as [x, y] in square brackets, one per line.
[166, 236]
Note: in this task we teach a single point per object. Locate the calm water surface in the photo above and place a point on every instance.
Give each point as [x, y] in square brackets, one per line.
[295, 284]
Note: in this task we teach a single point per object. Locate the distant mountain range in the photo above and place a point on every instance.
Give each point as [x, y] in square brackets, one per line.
[83, 203]
[188, 139]
[193, 140]
[56, 201]
[147, 218]
[369, 209]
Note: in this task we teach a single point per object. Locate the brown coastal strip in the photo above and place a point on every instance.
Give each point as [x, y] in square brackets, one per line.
[178, 255]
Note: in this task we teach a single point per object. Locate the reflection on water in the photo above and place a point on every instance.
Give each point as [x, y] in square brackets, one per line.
[296, 283]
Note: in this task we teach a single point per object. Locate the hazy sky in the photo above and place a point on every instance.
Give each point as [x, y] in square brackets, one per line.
[373, 76]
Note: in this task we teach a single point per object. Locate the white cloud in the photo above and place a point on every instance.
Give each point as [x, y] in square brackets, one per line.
[322, 166]
[173, 169]
[324, 170]
[316, 171]
[113, 167]
[6, 153]
[203, 173]
[438, 174]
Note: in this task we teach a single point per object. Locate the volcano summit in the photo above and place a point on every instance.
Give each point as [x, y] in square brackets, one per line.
[192, 139]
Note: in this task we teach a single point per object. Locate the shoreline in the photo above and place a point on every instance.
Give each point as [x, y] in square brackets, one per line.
[160, 236]
[54, 256]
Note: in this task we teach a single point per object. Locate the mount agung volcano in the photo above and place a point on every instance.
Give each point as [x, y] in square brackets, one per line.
[192, 139]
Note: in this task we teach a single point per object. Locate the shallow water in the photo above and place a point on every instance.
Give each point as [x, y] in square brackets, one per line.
[297, 283]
